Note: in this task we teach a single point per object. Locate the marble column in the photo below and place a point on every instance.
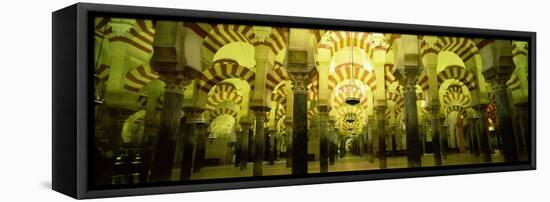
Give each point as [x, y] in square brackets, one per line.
[108, 139]
[435, 124]
[193, 116]
[498, 76]
[288, 139]
[443, 134]
[332, 141]
[365, 140]
[324, 138]
[381, 120]
[414, 146]
[475, 136]
[169, 125]
[243, 137]
[480, 117]
[200, 151]
[271, 146]
[525, 128]
[370, 138]
[299, 127]
[259, 135]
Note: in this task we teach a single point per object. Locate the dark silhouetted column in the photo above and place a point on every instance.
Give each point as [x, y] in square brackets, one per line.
[435, 124]
[259, 135]
[324, 139]
[193, 116]
[243, 136]
[381, 120]
[498, 76]
[480, 118]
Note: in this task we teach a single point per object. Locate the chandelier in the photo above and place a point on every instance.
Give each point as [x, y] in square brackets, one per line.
[351, 98]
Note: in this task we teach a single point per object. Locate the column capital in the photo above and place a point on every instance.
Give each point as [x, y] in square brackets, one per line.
[434, 109]
[299, 80]
[408, 77]
[380, 111]
[245, 122]
[194, 115]
[498, 75]
[260, 111]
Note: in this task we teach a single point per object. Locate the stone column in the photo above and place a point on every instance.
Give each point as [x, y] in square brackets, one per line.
[414, 148]
[193, 116]
[472, 127]
[259, 135]
[324, 139]
[108, 139]
[480, 128]
[523, 113]
[370, 144]
[299, 127]
[470, 137]
[288, 140]
[164, 62]
[443, 134]
[498, 76]
[434, 119]
[271, 146]
[243, 137]
[381, 120]
[332, 141]
[200, 151]
[342, 147]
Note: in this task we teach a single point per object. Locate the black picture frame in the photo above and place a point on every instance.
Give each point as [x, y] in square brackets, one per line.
[72, 85]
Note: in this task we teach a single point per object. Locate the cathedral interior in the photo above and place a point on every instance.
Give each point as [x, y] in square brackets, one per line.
[178, 101]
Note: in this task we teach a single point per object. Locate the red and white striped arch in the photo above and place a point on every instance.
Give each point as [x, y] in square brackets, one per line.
[276, 41]
[222, 93]
[224, 69]
[465, 48]
[139, 77]
[458, 73]
[223, 34]
[102, 72]
[201, 29]
[353, 110]
[346, 91]
[223, 110]
[344, 71]
[455, 108]
[338, 40]
[276, 76]
[397, 98]
[139, 37]
[455, 96]
[280, 96]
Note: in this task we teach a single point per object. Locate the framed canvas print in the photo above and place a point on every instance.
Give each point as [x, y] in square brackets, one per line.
[156, 100]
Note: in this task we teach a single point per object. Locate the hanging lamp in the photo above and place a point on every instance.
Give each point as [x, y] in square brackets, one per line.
[351, 99]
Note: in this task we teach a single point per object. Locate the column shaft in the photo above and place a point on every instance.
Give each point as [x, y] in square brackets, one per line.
[245, 127]
[505, 122]
[200, 151]
[414, 147]
[259, 149]
[161, 170]
[436, 142]
[481, 128]
[299, 133]
[381, 119]
[288, 143]
[324, 139]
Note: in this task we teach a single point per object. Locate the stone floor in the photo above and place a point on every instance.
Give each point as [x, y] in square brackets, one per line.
[348, 163]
